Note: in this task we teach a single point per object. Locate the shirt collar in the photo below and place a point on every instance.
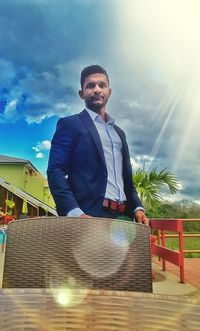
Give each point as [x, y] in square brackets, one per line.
[95, 117]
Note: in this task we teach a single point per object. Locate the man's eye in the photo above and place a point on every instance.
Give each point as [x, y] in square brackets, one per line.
[90, 85]
[102, 85]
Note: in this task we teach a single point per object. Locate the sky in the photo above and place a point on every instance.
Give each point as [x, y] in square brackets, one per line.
[151, 51]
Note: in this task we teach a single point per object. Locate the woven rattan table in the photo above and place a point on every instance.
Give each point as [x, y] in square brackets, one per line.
[90, 253]
[102, 310]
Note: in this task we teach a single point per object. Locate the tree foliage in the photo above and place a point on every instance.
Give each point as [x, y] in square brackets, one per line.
[151, 186]
[179, 211]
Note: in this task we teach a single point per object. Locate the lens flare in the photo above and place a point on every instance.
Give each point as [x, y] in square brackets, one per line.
[65, 290]
[68, 297]
[63, 297]
[107, 249]
[123, 236]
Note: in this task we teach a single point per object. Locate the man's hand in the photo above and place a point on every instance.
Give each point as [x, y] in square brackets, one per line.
[140, 217]
[85, 216]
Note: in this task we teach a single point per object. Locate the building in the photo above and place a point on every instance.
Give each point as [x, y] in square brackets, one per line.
[21, 182]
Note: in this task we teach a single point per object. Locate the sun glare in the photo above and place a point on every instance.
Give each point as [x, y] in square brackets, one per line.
[63, 297]
[160, 44]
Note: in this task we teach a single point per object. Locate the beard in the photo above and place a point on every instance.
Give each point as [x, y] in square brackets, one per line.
[95, 106]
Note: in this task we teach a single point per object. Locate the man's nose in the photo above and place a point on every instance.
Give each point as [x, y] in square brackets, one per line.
[97, 89]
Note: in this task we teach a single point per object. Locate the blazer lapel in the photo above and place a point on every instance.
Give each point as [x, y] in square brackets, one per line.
[88, 122]
[125, 151]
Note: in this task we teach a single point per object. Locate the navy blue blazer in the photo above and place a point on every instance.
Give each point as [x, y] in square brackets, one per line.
[77, 172]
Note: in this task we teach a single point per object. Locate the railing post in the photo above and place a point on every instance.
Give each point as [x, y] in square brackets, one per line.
[181, 250]
[159, 241]
[163, 244]
[166, 254]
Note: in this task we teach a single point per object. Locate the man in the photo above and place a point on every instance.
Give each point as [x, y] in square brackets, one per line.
[89, 169]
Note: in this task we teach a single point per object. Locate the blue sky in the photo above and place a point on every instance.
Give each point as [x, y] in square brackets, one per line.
[151, 51]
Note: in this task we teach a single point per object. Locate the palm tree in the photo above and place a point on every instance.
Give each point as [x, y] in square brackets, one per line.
[152, 185]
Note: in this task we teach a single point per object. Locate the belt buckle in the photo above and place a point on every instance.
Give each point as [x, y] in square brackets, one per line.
[121, 207]
[113, 205]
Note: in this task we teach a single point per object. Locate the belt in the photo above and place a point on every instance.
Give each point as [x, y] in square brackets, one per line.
[114, 205]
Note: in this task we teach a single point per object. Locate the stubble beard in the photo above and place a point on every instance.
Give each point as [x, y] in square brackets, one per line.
[96, 107]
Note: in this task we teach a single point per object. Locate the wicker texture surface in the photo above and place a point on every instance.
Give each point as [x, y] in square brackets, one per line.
[78, 253]
[102, 310]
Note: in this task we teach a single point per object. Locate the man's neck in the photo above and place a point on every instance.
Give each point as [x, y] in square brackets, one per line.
[101, 112]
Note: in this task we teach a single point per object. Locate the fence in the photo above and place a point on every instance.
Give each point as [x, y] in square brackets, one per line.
[160, 249]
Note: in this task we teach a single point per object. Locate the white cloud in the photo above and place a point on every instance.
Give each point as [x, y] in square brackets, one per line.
[142, 162]
[35, 149]
[43, 145]
[134, 164]
[131, 103]
[10, 109]
[7, 72]
[35, 119]
[39, 155]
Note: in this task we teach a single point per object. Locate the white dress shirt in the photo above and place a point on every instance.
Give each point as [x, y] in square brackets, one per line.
[112, 148]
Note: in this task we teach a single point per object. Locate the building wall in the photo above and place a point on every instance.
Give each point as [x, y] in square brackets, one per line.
[13, 174]
[37, 187]
[27, 179]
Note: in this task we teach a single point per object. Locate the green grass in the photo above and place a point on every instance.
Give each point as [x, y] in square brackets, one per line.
[189, 243]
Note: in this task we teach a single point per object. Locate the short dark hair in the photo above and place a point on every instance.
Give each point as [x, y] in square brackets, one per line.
[92, 69]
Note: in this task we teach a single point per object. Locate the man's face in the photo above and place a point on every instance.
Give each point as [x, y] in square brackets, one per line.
[95, 92]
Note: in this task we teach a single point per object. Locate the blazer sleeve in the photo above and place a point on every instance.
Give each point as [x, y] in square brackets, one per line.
[59, 165]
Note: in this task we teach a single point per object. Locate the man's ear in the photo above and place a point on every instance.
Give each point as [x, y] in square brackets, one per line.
[80, 92]
[110, 92]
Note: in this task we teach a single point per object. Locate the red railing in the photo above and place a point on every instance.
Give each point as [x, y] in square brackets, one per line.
[167, 254]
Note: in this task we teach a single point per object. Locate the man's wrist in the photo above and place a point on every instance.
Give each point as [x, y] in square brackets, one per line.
[138, 208]
[76, 212]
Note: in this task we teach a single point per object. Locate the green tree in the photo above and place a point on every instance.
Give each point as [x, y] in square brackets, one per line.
[152, 185]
